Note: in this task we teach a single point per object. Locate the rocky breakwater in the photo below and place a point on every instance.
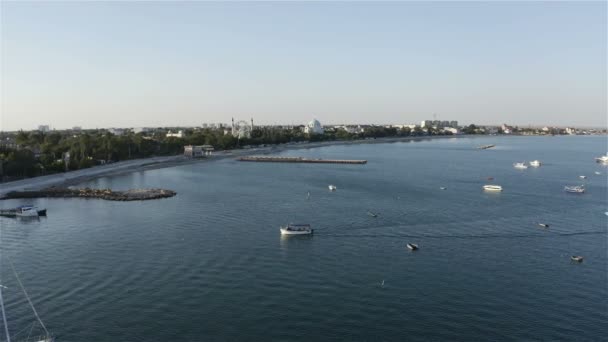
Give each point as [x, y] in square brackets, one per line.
[106, 194]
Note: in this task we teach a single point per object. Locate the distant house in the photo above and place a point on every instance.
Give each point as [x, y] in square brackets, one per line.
[179, 134]
[198, 151]
[117, 131]
[314, 127]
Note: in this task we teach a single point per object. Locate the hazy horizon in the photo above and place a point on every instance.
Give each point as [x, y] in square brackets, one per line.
[156, 64]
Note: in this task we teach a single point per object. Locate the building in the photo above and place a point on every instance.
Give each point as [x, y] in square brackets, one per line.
[199, 151]
[44, 128]
[179, 134]
[314, 127]
[452, 130]
[506, 129]
[454, 124]
[141, 130]
[116, 131]
[241, 129]
[426, 123]
[76, 128]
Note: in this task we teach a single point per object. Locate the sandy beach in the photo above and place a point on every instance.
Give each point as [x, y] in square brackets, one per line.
[128, 166]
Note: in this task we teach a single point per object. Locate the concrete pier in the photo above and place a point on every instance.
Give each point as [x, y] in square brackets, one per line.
[299, 160]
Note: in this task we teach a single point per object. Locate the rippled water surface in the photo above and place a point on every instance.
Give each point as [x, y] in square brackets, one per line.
[210, 264]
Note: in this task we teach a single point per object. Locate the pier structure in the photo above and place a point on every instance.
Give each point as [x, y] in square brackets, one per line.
[270, 159]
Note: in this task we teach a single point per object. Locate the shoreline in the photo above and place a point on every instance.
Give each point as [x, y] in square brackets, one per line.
[135, 165]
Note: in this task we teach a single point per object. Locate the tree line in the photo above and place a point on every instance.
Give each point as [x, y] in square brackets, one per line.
[40, 153]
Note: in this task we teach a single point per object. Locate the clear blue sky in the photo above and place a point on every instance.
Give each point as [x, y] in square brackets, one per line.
[130, 64]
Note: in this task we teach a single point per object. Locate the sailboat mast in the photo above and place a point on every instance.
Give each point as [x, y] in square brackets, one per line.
[8, 335]
[28, 298]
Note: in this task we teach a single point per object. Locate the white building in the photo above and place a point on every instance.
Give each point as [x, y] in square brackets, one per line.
[198, 151]
[241, 129]
[314, 127]
[452, 130]
[116, 131]
[179, 134]
[44, 128]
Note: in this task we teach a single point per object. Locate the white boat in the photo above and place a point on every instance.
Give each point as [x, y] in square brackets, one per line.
[582, 177]
[490, 187]
[543, 225]
[602, 159]
[535, 163]
[372, 214]
[412, 246]
[296, 229]
[332, 188]
[598, 173]
[520, 166]
[443, 188]
[577, 258]
[578, 189]
[27, 211]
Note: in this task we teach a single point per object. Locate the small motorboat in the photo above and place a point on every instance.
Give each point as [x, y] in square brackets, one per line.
[535, 163]
[598, 173]
[296, 229]
[582, 177]
[27, 211]
[332, 188]
[579, 189]
[577, 258]
[490, 187]
[543, 225]
[372, 214]
[412, 246]
[602, 159]
[520, 166]
[443, 188]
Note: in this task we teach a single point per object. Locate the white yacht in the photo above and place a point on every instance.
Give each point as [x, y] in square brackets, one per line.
[296, 229]
[490, 187]
[520, 166]
[332, 188]
[26, 211]
[412, 246]
[535, 163]
[579, 189]
[582, 177]
[602, 159]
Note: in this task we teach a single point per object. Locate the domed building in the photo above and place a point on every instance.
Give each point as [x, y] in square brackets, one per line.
[313, 127]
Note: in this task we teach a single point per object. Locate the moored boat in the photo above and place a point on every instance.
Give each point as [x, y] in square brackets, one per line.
[577, 258]
[27, 211]
[443, 188]
[598, 173]
[535, 163]
[490, 187]
[332, 188]
[412, 246]
[296, 229]
[578, 189]
[520, 165]
[602, 159]
[582, 177]
[543, 225]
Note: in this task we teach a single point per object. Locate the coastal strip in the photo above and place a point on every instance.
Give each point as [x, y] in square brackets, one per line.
[105, 194]
[271, 159]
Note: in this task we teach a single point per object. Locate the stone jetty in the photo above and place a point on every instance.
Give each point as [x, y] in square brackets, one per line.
[106, 194]
[270, 159]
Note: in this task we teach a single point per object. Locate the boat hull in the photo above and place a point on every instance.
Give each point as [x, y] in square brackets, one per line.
[496, 188]
[295, 232]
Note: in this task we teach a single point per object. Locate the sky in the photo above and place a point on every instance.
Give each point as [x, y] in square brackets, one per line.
[152, 64]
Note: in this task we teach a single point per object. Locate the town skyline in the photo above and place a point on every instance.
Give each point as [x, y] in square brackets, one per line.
[129, 64]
